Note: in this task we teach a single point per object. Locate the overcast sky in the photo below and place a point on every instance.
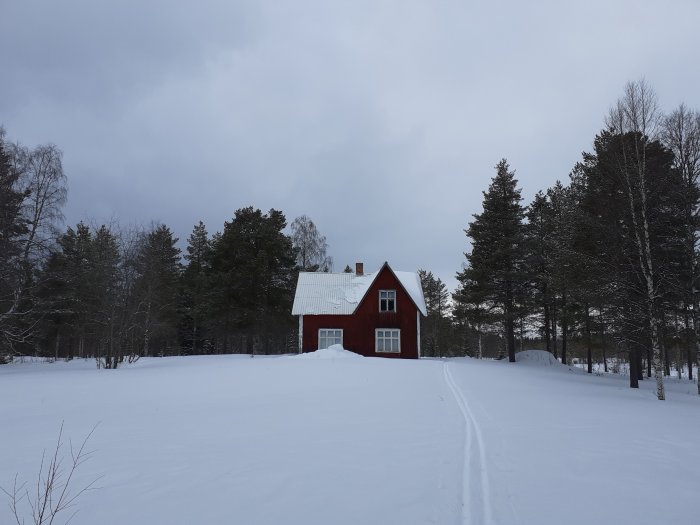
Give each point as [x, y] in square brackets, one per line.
[382, 121]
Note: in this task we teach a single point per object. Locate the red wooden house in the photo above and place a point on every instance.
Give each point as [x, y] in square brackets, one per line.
[375, 314]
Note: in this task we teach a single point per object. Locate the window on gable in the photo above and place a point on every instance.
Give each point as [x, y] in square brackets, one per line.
[329, 337]
[387, 300]
[387, 340]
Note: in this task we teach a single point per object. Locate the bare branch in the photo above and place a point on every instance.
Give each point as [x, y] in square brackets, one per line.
[53, 485]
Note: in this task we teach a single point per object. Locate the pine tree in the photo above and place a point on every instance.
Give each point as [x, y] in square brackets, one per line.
[65, 292]
[564, 212]
[252, 285]
[539, 259]
[436, 303]
[104, 299]
[195, 276]
[495, 263]
[158, 264]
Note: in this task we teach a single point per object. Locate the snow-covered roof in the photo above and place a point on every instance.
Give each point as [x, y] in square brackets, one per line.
[321, 293]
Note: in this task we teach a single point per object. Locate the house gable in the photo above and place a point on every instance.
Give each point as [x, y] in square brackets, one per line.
[390, 283]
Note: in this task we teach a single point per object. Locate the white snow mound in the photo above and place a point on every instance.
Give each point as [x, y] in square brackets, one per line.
[537, 357]
[332, 352]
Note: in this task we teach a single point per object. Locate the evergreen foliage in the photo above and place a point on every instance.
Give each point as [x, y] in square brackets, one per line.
[195, 283]
[495, 267]
[435, 326]
[157, 290]
[253, 278]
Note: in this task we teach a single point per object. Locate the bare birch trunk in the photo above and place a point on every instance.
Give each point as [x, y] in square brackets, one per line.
[688, 346]
[658, 360]
[636, 115]
[547, 341]
[147, 330]
[589, 349]
[696, 333]
[510, 328]
[554, 331]
[479, 341]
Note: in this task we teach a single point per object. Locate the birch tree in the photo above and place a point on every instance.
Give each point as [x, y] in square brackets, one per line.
[33, 192]
[636, 116]
[44, 184]
[681, 134]
[311, 246]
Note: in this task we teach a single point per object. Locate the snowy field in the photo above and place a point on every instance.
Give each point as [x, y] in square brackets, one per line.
[339, 440]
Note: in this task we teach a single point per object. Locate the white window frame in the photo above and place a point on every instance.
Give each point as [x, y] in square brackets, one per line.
[327, 337]
[394, 336]
[387, 299]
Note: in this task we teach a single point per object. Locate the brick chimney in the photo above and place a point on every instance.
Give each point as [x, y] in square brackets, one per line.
[359, 269]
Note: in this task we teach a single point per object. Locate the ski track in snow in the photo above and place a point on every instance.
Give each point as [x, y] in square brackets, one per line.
[476, 498]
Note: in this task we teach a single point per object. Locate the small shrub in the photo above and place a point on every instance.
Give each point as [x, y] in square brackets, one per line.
[53, 493]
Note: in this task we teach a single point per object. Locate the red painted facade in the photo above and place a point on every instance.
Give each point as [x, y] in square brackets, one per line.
[359, 328]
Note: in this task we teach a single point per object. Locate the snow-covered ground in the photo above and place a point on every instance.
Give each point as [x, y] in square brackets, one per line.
[331, 439]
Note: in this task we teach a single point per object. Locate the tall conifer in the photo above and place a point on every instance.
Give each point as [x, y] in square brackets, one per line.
[495, 263]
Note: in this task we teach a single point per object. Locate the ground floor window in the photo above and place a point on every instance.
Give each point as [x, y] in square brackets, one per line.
[387, 340]
[329, 336]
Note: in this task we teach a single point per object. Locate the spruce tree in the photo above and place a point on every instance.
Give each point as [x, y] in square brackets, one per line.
[495, 264]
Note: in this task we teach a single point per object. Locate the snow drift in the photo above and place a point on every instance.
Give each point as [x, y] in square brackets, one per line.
[537, 357]
[332, 352]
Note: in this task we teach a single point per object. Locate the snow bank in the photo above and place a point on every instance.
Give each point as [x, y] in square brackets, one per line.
[537, 357]
[332, 352]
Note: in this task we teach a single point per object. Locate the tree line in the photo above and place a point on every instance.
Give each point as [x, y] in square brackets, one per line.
[607, 261]
[116, 293]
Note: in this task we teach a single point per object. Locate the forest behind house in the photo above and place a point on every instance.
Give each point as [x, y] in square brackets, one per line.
[601, 269]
